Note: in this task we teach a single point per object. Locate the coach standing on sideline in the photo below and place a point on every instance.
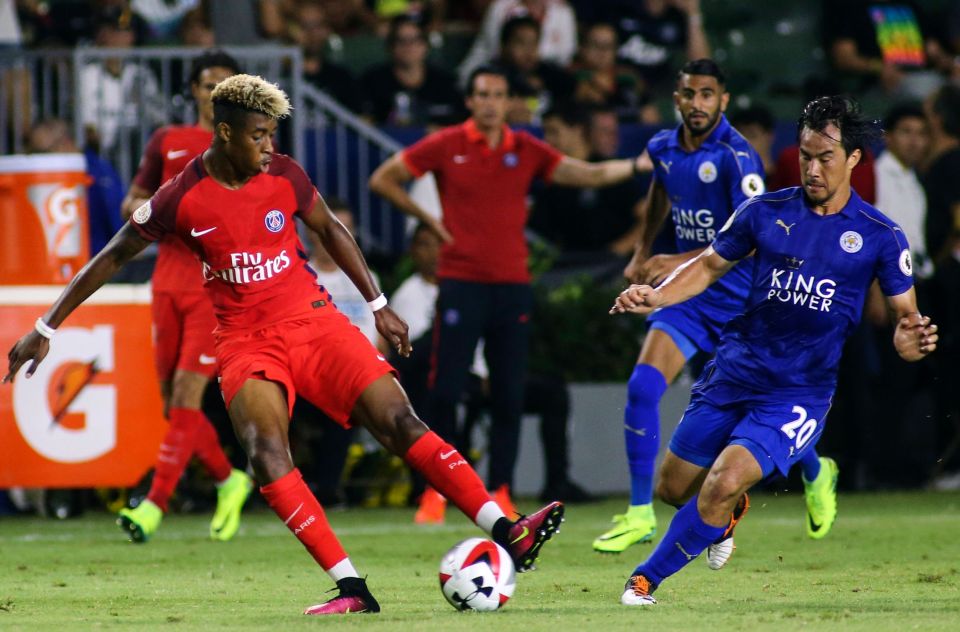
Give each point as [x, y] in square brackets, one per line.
[484, 171]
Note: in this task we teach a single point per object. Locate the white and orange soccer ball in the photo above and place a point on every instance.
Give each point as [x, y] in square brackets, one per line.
[477, 574]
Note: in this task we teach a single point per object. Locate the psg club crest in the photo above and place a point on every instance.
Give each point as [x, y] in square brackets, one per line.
[274, 221]
[510, 160]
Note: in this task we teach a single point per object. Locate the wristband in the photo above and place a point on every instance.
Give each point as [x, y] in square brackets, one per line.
[633, 163]
[378, 303]
[44, 329]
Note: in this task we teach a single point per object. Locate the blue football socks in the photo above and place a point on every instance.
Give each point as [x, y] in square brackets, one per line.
[687, 536]
[810, 465]
[642, 429]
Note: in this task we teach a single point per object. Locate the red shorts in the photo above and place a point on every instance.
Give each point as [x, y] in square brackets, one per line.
[325, 360]
[183, 324]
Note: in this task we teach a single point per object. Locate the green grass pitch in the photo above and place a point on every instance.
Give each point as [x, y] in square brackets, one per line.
[891, 563]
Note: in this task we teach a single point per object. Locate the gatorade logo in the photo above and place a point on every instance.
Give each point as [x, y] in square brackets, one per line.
[62, 415]
[58, 208]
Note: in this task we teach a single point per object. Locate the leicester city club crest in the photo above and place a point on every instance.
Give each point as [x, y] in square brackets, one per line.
[274, 221]
[851, 241]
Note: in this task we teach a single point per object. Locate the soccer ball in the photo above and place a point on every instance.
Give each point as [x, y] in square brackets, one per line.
[477, 574]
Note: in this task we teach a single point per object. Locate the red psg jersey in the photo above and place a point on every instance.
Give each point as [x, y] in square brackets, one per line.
[254, 266]
[168, 152]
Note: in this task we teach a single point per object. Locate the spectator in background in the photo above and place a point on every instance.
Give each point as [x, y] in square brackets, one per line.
[942, 185]
[311, 31]
[601, 81]
[407, 90]
[756, 124]
[195, 30]
[163, 17]
[105, 191]
[117, 96]
[348, 17]
[429, 13]
[535, 85]
[653, 32]
[889, 43]
[558, 29]
[559, 211]
[900, 195]
[604, 133]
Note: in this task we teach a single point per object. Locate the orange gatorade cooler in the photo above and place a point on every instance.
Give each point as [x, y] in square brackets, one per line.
[43, 211]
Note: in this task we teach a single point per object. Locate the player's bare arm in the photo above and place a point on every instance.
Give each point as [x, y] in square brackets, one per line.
[690, 279]
[644, 269]
[134, 199]
[34, 346]
[915, 336]
[572, 172]
[388, 182]
[341, 245]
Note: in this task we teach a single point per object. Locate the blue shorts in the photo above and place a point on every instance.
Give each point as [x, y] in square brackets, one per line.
[697, 321]
[777, 427]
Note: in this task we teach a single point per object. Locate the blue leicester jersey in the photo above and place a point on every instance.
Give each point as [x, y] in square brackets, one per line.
[810, 276]
[705, 187]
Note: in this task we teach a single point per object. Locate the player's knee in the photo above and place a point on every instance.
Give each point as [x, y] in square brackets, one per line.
[670, 492]
[186, 390]
[403, 428]
[269, 457]
[721, 488]
[645, 386]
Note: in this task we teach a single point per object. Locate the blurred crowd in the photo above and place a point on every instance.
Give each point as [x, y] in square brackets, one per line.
[583, 71]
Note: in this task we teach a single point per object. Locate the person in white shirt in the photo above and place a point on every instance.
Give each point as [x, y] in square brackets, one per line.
[558, 32]
[900, 195]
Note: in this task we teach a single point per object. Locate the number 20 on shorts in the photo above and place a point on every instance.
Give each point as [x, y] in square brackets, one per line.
[800, 428]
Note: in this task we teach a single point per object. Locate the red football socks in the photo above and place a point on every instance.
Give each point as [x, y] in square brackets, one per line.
[448, 473]
[295, 504]
[208, 451]
[175, 452]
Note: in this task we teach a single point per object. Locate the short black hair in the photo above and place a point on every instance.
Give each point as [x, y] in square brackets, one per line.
[754, 115]
[902, 111]
[704, 66]
[212, 58]
[856, 131]
[512, 25]
[572, 114]
[397, 22]
[946, 105]
[487, 69]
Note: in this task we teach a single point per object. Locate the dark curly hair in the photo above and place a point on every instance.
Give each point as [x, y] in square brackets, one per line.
[856, 131]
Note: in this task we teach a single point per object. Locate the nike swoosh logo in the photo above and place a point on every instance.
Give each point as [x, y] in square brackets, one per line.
[446, 456]
[196, 233]
[526, 532]
[174, 154]
[205, 359]
[813, 525]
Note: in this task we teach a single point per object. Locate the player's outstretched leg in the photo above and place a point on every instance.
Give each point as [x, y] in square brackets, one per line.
[176, 448]
[641, 432]
[260, 419]
[704, 520]
[384, 410]
[820, 493]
